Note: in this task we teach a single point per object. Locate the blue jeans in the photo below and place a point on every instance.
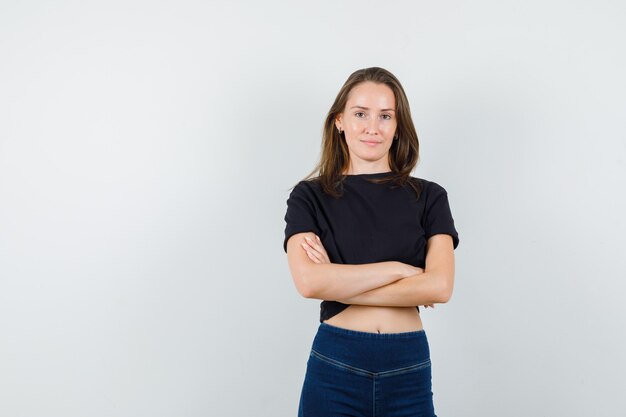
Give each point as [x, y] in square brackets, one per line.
[353, 373]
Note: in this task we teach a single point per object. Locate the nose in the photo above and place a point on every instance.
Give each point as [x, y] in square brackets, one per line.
[372, 127]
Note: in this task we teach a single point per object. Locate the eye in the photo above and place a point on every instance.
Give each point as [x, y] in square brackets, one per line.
[388, 116]
[357, 113]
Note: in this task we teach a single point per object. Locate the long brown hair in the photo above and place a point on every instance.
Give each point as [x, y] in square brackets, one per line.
[335, 156]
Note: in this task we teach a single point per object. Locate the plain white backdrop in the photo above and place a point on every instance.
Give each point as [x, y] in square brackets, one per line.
[147, 149]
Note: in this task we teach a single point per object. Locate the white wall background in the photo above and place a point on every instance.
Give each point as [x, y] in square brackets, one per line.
[147, 149]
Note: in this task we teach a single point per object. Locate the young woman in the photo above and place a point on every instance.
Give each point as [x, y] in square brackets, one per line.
[373, 243]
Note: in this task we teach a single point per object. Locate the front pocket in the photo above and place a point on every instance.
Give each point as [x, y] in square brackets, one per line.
[412, 368]
[339, 364]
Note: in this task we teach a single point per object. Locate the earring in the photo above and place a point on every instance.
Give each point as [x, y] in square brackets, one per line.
[395, 137]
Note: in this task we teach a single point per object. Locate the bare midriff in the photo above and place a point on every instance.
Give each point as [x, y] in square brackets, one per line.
[378, 319]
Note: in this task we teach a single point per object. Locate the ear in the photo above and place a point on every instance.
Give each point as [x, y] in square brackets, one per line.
[338, 121]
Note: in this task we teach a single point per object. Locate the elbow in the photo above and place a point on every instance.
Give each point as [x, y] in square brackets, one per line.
[445, 292]
[303, 287]
[445, 297]
[306, 291]
[304, 283]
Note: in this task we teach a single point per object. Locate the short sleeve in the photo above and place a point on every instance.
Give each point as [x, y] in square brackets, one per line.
[300, 216]
[438, 216]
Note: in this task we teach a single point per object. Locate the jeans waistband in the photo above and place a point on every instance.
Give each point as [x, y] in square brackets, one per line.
[325, 327]
[372, 351]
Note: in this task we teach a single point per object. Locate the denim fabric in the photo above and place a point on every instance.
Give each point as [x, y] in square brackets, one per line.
[353, 373]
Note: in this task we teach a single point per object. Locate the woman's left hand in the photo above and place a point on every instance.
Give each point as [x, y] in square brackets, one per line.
[315, 250]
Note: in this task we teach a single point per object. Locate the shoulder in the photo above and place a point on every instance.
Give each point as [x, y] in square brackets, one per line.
[307, 185]
[307, 189]
[429, 187]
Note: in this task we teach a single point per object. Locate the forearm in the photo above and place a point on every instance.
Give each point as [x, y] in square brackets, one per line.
[411, 291]
[330, 281]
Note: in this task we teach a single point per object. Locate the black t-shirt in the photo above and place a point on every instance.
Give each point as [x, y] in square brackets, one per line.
[369, 222]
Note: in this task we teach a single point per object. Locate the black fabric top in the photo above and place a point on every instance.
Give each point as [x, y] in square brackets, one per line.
[370, 222]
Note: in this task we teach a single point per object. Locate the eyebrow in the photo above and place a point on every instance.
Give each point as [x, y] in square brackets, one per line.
[367, 108]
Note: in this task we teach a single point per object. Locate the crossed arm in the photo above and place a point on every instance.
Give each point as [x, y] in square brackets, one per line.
[378, 284]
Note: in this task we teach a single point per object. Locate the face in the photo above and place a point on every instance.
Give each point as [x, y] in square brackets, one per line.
[369, 124]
